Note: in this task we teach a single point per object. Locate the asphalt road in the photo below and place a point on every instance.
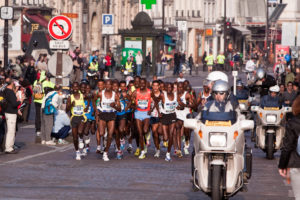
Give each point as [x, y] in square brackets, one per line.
[41, 172]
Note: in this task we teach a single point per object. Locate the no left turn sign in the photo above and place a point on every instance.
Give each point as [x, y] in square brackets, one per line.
[60, 27]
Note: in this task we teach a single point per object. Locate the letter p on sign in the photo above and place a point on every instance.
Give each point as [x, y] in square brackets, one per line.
[107, 19]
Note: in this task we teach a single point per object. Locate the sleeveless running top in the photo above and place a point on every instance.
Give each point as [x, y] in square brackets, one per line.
[154, 113]
[169, 106]
[89, 113]
[143, 101]
[104, 105]
[78, 109]
[123, 105]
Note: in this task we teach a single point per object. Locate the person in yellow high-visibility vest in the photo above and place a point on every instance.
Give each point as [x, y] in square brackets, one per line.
[94, 65]
[221, 61]
[42, 83]
[209, 62]
[128, 66]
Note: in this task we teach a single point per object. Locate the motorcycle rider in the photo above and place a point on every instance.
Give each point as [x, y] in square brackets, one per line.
[263, 81]
[241, 92]
[129, 66]
[93, 67]
[272, 99]
[220, 108]
[218, 75]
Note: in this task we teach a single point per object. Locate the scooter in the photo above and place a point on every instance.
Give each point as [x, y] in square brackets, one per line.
[270, 128]
[92, 78]
[218, 157]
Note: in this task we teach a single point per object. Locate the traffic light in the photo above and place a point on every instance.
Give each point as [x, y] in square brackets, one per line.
[228, 25]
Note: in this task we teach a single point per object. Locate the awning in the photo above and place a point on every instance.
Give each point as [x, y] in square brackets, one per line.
[243, 30]
[277, 12]
[38, 19]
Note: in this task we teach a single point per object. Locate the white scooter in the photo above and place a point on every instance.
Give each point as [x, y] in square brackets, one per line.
[270, 128]
[218, 161]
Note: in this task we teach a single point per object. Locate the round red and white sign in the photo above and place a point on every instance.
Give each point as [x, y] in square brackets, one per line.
[60, 27]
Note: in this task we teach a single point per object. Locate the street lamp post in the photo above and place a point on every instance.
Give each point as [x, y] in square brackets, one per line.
[5, 39]
[225, 30]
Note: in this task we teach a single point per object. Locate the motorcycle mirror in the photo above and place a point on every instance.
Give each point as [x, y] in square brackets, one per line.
[247, 125]
[287, 109]
[254, 108]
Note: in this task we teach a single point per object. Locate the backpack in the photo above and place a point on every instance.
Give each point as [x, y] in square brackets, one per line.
[38, 91]
[298, 146]
[49, 109]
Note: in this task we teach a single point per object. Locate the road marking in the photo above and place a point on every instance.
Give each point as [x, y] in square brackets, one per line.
[28, 126]
[56, 149]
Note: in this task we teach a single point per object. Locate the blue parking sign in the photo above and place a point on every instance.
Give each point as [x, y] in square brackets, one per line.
[107, 19]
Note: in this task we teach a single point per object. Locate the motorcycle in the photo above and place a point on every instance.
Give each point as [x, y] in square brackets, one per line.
[270, 128]
[218, 157]
[92, 78]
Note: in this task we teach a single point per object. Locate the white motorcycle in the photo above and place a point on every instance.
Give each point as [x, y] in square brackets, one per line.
[218, 161]
[270, 128]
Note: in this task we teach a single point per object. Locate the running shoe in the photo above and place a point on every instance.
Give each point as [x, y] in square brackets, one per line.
[78, 155]
[186, 151]
[43, 142]
[179, 154]
[165, 144]
[137, 152]
[81, 144]
[142, 156]
[129, 149]
[62, 141]
[168, 157]
[50, 143]
[157, 154]
[105, 157]
[84, 152]
[145, 149]
[119, 155]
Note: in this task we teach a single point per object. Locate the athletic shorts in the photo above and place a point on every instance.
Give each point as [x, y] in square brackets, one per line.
[141, 115]
[154, 120]
[168, 119]
[120, 117]
[76, 120]
[129, 116]
[107, 116]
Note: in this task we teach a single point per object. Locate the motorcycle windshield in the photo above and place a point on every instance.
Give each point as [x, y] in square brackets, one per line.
[219, 116]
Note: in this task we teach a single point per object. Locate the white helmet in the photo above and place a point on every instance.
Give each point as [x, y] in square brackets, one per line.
[217, 75]
[260, 73]
[274, 88]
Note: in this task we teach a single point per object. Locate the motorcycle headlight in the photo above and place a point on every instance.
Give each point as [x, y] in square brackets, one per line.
[218, 139]
[271, 118]
[242, 106]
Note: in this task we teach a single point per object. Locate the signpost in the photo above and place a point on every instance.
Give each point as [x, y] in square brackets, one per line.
[148, 3]
[107, 24]
[60, 29]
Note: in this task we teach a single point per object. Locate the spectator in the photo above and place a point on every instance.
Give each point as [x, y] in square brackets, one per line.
[2, 117]
[159, 63]
[76, 75]
[180, 79]
[281, 92]
[293, 66]
[148, 63]
[289, 77]
[203, 60]
[296, 88]
[17, 68]
[113, 66]
[11, 110]
[61, 126]
[108, 63]
[28, 99]
[139, 62]
[297, 76]
[289, 95]
[289, 163]
[279, 71]
[176, 63]
[182, 60]
[30, 73]
[287, 59]
[209, 61]
[191, 63]
[41, 63]
[164, 63]
[47, 119]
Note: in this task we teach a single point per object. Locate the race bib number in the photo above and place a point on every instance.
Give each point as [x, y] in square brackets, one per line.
[170, 107]
[106, 107]
[122, 106]
[143, 104]
[78, 110]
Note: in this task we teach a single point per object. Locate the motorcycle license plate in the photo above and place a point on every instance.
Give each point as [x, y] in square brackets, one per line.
[218, 123]
[271, 108]
[243, 101]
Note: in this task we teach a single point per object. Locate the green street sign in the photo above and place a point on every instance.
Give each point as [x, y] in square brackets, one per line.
[148, 3]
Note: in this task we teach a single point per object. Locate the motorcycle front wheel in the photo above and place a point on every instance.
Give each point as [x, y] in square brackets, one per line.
[270, 146]
[216, 186]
